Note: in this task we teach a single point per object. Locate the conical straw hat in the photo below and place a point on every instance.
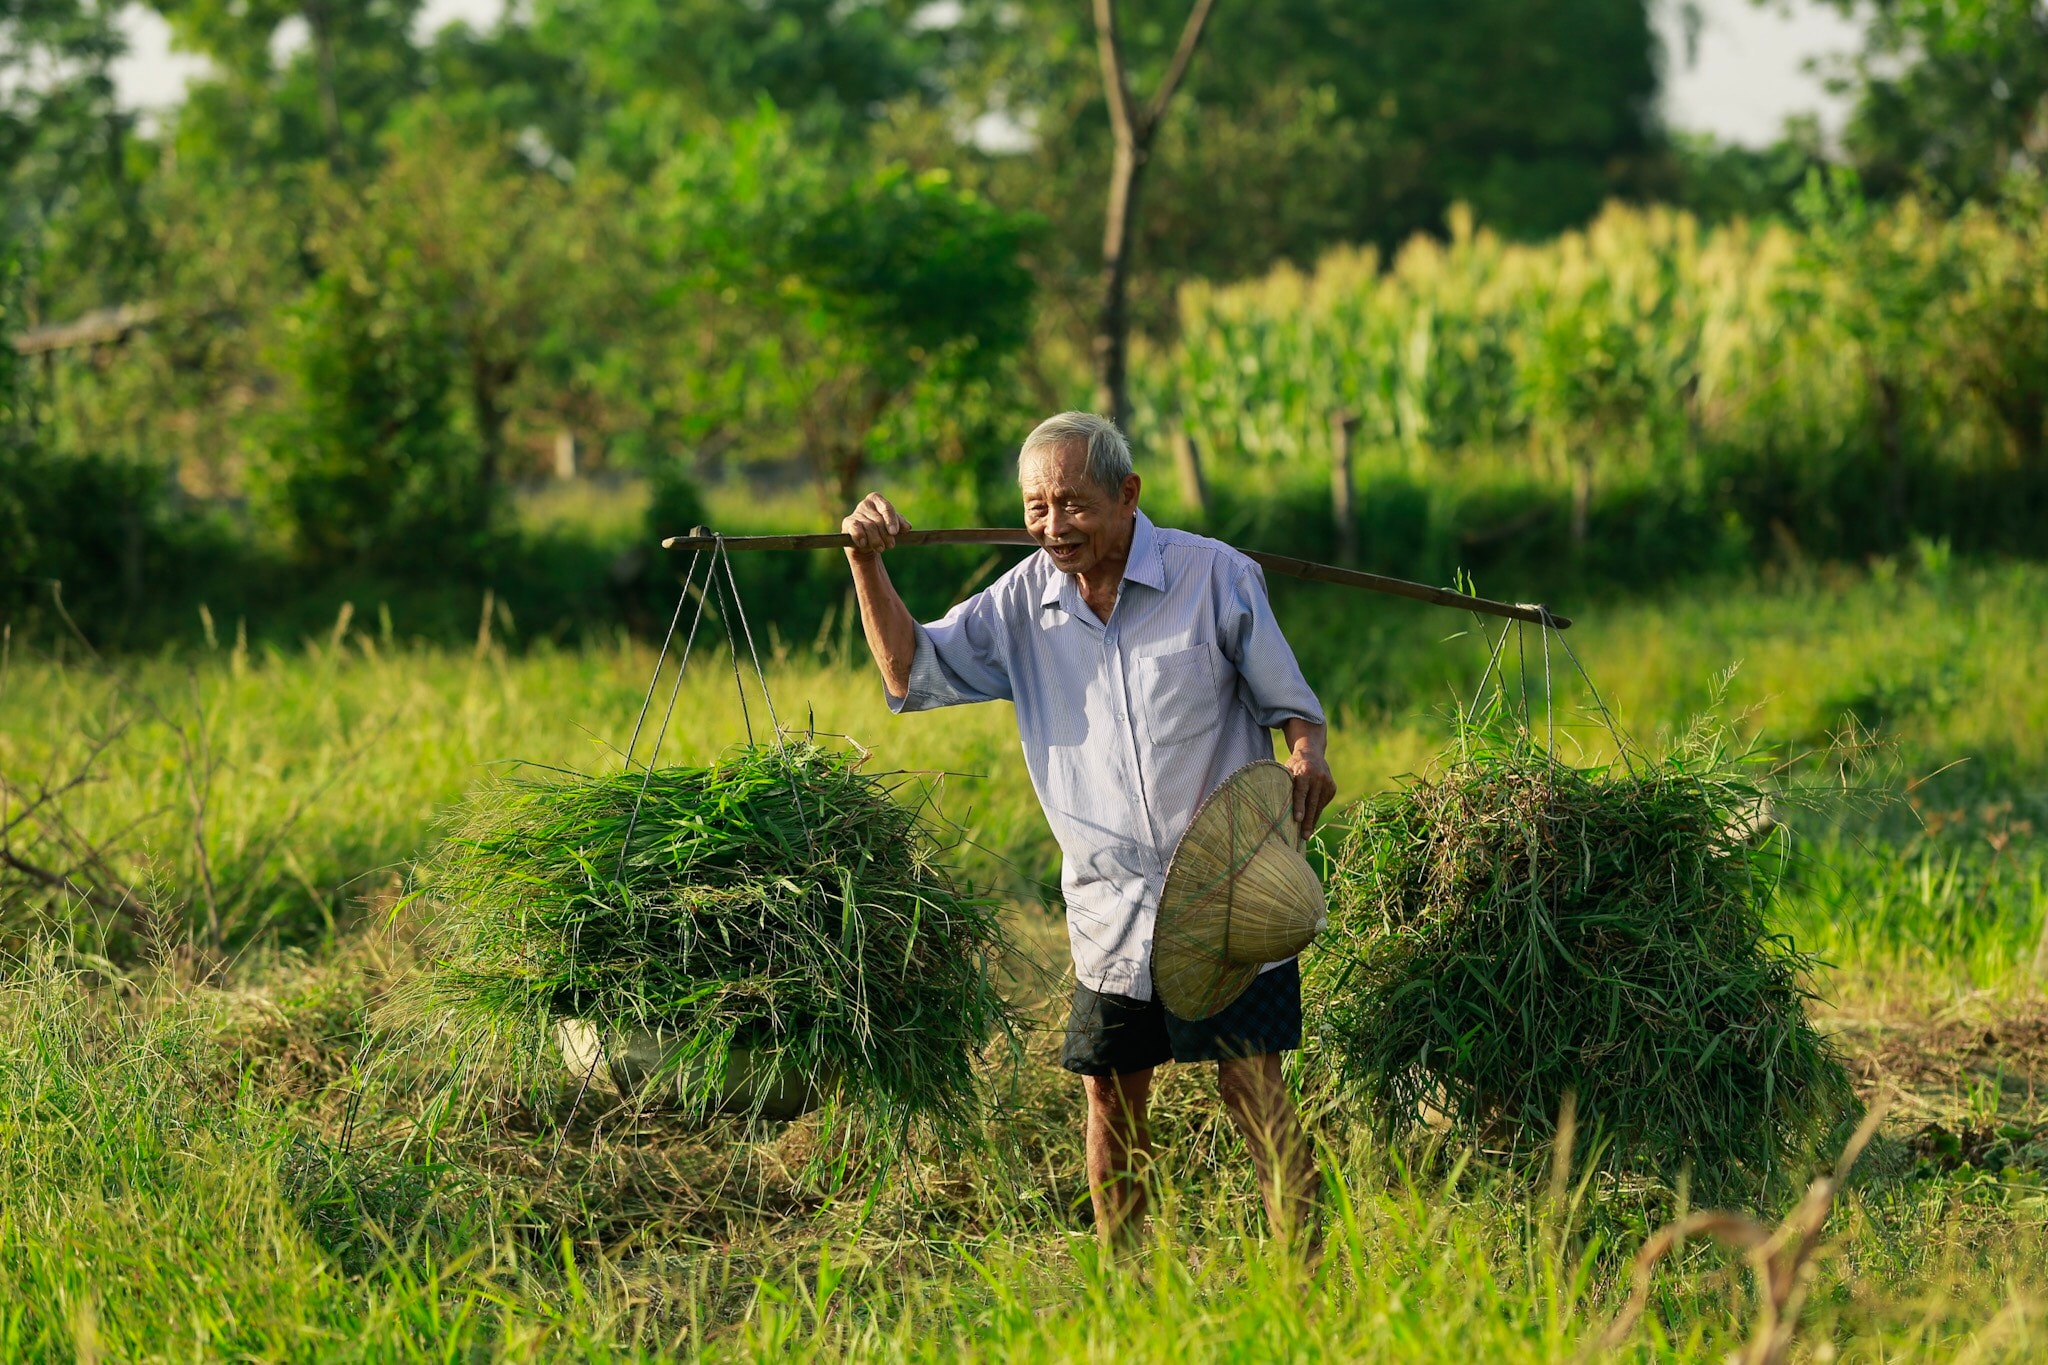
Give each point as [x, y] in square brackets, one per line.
[1238, 894]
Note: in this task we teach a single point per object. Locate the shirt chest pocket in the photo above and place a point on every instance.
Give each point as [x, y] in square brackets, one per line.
[1176, 694]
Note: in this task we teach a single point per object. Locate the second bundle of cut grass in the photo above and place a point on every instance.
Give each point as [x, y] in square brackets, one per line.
[1510, 930]
[778, 902]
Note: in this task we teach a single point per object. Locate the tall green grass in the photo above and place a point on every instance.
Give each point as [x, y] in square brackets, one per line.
[300, 783]
[208, 1155]
[163, 1197]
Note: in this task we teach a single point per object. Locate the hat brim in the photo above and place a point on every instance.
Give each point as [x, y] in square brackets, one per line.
[1192, 969]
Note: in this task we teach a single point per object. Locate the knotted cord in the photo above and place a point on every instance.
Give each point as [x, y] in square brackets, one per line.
[1548, 629]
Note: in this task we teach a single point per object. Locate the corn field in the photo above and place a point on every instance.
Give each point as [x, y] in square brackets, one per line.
[1894, 335]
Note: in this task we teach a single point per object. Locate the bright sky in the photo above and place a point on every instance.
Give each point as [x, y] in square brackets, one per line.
[152, 76]
[1749, 74]
[1747, 78]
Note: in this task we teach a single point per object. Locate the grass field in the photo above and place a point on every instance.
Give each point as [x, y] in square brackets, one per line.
[206, 1150]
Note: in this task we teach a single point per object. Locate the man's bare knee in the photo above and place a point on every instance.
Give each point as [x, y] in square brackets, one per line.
[1249, 1084]
[1120, 1097]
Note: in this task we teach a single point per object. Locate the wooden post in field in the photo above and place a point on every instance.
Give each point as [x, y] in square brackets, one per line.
[1187, 465]
[1343, 426]
[566, 453]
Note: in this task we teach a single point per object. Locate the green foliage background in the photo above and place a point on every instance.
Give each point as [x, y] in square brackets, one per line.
[287, 563]
[389, 280]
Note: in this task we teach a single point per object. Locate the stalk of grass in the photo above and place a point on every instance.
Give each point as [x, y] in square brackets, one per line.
[1510, 931]
[779, 900]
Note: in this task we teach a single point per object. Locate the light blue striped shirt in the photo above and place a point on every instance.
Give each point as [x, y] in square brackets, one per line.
[1125, 725]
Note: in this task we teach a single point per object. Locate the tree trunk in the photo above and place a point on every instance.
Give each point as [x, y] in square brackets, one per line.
[849, 466]
[131, 553]
[1343, 427]
[1690, 396]
[2023, 411]
[1133, 131]
[2030, 429]
[317, 21]
[1891, 440]
[1187, 465]
[1582, 498]
[487, 379]
[1113, 320]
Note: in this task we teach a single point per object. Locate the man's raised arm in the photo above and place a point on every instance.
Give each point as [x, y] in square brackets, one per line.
[891, 629]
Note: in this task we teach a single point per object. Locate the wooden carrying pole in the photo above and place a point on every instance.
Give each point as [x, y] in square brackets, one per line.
[1534, 613]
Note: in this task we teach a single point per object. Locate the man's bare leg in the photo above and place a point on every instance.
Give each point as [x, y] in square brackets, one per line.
[1256, 1096]
[1119, 1150]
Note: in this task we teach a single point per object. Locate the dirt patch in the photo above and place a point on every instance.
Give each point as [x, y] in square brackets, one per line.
[1974, 1072]
[2012, 1149]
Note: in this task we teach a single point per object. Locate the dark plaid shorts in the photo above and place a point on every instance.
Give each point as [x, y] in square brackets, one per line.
[1112, 1035]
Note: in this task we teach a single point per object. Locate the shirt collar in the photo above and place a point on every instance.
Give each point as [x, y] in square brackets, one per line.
[1145, 565]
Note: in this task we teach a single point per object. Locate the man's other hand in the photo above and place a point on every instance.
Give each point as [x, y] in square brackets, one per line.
[1314, 785]
[874, 526]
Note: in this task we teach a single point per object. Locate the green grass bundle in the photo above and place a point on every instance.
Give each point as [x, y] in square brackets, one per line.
[1509, 930]
[779, 901]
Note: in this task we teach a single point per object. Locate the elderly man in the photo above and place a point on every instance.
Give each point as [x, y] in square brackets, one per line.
[1146, 666]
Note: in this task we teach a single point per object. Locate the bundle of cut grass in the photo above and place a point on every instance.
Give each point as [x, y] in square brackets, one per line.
[1509, 930]
[778, 909]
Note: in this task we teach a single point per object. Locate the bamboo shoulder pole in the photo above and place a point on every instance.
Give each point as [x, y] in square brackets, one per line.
[1308, 569]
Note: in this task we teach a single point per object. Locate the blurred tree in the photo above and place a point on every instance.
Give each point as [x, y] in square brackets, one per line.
[496, 244]
[507, 78]
[443, 278]
[1589, 376]
[1314, 122]
[1883, 280]
[71, 194]
[1720, 180]
[644, 73]
[908, 283]
[293, 81]
[55, 74]
[17, 542]
[1999, 324]
[858, 290]
[366, 460]
[675, 506]
[1949, 93]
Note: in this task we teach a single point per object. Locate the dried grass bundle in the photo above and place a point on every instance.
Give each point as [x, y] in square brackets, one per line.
[778, 902]
[1509, 930]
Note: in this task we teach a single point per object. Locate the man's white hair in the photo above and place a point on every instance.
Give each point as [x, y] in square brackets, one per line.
[1109, 454]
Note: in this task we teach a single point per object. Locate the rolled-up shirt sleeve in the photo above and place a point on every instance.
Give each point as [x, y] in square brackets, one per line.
[959, 659]
[1269, 681]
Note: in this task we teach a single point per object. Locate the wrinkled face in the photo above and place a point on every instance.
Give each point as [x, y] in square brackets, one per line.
[1073, 520]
